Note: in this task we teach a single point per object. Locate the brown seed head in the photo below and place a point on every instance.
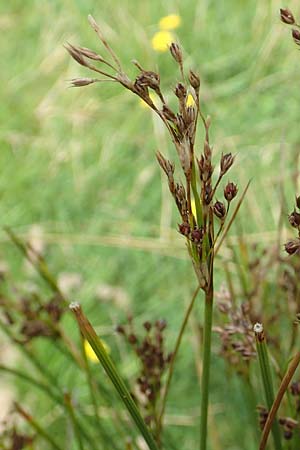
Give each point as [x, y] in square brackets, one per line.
[293, 247]
[194, 80]
[226, 162]
[197, 235]
[176, 52]
[230, 191]
[148, 79]
[180, 91]
[76, 54]
[294, 219]
[220, 210]
[298, 201]
[296, 36]
[79, 82]
[90, 54]
[184, 229]
[286, 16]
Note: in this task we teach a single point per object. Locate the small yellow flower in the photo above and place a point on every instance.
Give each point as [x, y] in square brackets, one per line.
[193, 205]
[190, 100]
[170, 22]
[162, 40]
[154, 99]
[91, 355]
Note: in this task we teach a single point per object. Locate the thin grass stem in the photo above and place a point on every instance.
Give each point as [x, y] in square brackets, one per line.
[89, 333]
[266, 376]
[175, 353]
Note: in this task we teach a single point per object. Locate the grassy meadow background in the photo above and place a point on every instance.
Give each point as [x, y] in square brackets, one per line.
[79, 176]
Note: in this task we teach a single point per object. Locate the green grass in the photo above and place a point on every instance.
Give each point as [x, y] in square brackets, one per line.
[80, 162]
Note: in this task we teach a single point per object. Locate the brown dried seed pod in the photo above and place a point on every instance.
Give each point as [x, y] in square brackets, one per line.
[180, 91]
[226, 162]
[79, 82]
[194, 80]
[293, 246]
[230, 191]
[176, 52]
[294, 219]
[296, 36]
[184, 229]
[219, 210]
[286, 16]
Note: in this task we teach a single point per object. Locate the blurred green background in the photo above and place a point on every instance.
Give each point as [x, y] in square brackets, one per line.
[78, 172]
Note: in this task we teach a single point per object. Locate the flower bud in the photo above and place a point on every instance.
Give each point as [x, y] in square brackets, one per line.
[197, 235]
[220, 210]
[79, 82]
[176, 52]
[184, 229]
[294, 219]
[180, 91]
[230, 191]
[292, 247]
[287, 16]
[194, 80]
[296, 36]
[226, 162]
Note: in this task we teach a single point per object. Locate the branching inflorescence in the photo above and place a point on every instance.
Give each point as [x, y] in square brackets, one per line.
[195, 198]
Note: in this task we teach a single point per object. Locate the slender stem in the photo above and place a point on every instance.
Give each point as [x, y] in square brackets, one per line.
[89, 333]
[172, 363]
[282, 389]
[206, 365]
[266, 376]
[37, 427]
[70, 408]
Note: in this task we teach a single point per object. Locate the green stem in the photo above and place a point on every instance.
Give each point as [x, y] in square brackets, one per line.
[37, 427]
[266, 375]
[206, 365]
[89, 333]
[70, 408]
[172, 363]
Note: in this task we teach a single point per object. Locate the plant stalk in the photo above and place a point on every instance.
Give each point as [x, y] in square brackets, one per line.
[89, 333]
[266, 375]
[207, 329]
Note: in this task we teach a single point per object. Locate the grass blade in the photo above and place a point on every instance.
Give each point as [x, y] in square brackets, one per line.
[89, 333]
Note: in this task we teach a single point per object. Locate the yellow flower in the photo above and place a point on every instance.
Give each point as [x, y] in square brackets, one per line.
[170, 22]
[162, 40]
[91, 355]
[190, 100]
[154, 99]
[193, 205]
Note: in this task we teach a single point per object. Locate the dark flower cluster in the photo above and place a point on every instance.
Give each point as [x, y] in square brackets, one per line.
[153, 359]
[33, 318]
[292, 247]
[238, 343]
[288, 425]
